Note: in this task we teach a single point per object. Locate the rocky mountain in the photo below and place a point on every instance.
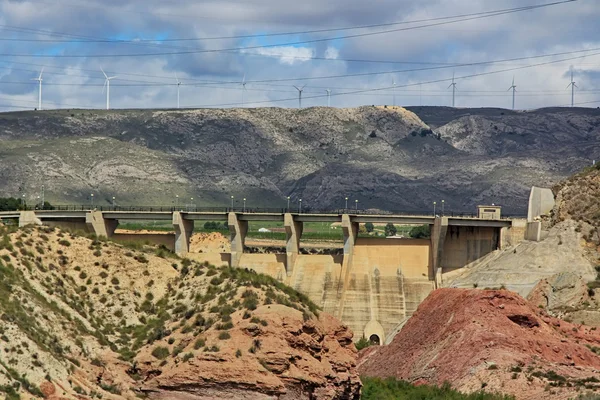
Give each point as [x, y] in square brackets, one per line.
[84, 318]
[387, 158]
[493, 340]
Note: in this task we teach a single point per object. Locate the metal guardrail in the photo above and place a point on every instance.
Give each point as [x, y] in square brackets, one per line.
[255, 210]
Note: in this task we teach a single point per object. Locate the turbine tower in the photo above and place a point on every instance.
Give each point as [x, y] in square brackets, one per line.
[39, 79]
[328, 97]
[178, 86]
[572, 85]
[107, 87]
[453, 85]
[394, 91]
[514, 89]
[300, 90]
[243, 89]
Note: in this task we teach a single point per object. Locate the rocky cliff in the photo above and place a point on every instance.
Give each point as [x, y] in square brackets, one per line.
[491, 339]
[84, 318]
[387, 158]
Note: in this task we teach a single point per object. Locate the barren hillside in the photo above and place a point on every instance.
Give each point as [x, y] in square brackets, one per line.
[83, 318]
[493, 340]
[387, 158]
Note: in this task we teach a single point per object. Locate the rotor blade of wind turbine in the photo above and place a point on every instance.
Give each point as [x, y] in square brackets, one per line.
[101, 69]
[41, 72]
[104, 86]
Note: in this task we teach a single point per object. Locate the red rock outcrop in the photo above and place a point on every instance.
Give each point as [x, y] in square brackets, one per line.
[492, 339]
[282, 357]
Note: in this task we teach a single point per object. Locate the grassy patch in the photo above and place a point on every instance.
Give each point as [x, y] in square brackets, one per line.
[392, 389]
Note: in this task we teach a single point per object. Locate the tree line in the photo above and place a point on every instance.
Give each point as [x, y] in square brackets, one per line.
[12, 204]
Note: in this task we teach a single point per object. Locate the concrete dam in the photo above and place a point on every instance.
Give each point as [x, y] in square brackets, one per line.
[373, 285]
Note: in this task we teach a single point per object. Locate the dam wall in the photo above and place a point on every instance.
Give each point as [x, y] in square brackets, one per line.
[388, 280]
[465, 244]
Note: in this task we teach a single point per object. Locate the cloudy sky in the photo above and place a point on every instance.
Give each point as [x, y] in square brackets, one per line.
[365, 52]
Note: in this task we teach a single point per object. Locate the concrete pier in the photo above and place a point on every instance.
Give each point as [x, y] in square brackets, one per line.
[183, 233]
[28, 218]
[438, 237]
[100, 225]
[238, 230]
[293, 231]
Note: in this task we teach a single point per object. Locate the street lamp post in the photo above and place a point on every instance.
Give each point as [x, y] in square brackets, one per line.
[176, 201]
[345, 208]
[288, 207]
[244, 209]
[192, 205]
[300, 206]
[114, 202]
[231, 203]
[356, 205]
[442, 208]
[92, 199]
[38, 203]
[23, 203]
[434, 203]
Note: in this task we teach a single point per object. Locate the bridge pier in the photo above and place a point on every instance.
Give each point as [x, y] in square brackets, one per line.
[293, 231]
[350, 231]
[99, 225]
[438, 237]
[183, 233]
[237, 231]
[28, 218]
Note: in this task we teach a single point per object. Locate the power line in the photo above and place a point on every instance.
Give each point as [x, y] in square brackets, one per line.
[199, 51]
[305, 32]
[271, 81]
[413, 84]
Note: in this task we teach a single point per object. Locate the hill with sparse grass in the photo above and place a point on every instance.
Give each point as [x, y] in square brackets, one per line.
[387, 158]
[87, 318]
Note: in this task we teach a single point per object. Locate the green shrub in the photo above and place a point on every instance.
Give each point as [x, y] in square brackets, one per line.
[224, 336]
[392, 389]
[160, 352]
[200, 342]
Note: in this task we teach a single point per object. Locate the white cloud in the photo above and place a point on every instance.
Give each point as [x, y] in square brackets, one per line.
[289, 55]
[332, 53]
[553, 29]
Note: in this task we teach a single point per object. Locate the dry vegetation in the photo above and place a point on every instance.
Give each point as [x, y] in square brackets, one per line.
[78, 311]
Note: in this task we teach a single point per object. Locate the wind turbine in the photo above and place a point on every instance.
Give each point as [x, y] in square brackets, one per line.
[178, 86]
[453, 85]
[514, 89]
[328, 97]
[572, 85]
[107, 87]
[39, 79]
[300, 90]
[394, 91]
[243, 89]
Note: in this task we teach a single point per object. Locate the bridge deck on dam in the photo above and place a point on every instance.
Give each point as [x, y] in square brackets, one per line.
[373, 285]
